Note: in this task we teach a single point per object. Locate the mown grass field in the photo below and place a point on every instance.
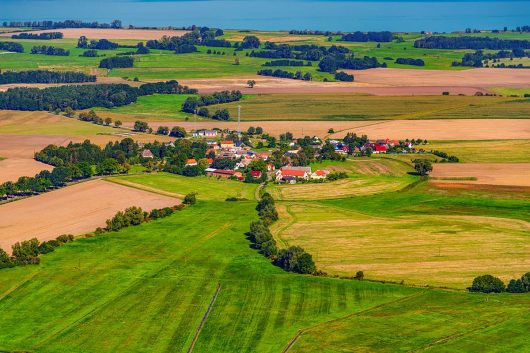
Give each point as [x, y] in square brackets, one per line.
[158, 107]
[345, 106]
[146, 288]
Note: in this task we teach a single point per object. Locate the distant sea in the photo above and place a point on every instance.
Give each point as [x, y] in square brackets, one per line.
[335, 15]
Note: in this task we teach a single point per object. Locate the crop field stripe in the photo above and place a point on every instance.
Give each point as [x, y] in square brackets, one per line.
[306, 330]
[204, 318]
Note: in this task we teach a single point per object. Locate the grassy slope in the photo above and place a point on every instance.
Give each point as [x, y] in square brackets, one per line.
[337, 106]
[146, 288]
[501, 151]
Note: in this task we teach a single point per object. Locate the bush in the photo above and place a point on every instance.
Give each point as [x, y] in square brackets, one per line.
[190, 199]
[342, 76]
[422, 166]
[116, 61]
[487, 284]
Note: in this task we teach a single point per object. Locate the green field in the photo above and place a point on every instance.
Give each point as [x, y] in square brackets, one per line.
[347, 106]
[146, 288]
[495, 151]
[158, 107]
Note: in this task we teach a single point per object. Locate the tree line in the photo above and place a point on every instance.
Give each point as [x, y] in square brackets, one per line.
[73, 163]
[102, 44]
[187, 42]
[287, 63]
[191, 104]
[300, 52]
[49, 50]
[38, 36]
[298, 75]
[83, 96]
[410, 61]
[116, 62]
[45, 76]
[331, 63]
[313, 32]
[384, 36]
[27, 252]
[492, 284]
[12, 47]
[343, 76]
[480, 59]
[467, 42]
[292, 259]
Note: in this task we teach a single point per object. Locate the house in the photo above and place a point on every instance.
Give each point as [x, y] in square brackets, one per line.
[210, 161]
[263, 155]
[147, 154]
[320, 174]
[379, 149]
[227, 144]
[256, 174]
[221, 173]
[205, 133]
[191, 162]
[270, 167]
[287, 173]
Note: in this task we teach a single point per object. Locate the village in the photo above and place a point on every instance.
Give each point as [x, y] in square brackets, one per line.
[231, 155]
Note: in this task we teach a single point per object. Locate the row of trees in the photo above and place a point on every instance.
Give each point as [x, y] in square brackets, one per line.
[292, 259]
[384, 36]
[102, 44]
[38, 36]
[83, 96]
[299, 52]
[27, 252]
[492, 284]
[331, 63]
[479, 58]
[187, 42]
[446, 157]
[134, 216]
[298, 75]
[466, 42]
[45, 76]
[286, 62]
[12, 47]
[116, 62]
[49, 50]
[191, 104]
[410, 61]
[343, 76]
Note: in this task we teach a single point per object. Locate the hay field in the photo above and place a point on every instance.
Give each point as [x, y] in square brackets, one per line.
[75, 209]
[501, 151]
[507, 174]
[422, 248]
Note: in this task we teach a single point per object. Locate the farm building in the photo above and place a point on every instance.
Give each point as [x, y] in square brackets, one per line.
[147, 154]
[227, 144]
[205, 133]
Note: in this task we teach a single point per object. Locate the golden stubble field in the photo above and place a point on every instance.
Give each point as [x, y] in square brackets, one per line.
[433, 250]
[75, 209]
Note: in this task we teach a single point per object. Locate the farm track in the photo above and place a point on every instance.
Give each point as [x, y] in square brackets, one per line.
[204, 318]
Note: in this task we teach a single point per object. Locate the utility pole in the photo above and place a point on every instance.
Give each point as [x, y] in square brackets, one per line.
[239, 122]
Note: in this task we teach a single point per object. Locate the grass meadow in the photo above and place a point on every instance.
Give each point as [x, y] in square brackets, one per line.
[147, 287]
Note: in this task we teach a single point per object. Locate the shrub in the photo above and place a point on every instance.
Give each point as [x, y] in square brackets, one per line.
[190, 199]
[295, 259]
[487, 284]
[422, 166]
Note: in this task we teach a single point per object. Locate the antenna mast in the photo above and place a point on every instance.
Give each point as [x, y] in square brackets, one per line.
[239, 122]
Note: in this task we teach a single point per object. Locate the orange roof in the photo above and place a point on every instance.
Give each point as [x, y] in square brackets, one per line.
[321, 172]
[293, 173]
[210, 160]
[191, 161]
[227, 142]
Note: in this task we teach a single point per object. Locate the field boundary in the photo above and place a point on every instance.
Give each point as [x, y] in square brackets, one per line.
[143, 187]
[204, 318]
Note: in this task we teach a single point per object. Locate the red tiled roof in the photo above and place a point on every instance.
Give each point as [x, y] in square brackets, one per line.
[191, 161]
[255, 173]
[380, 148]
[227, 142]
[293, 173]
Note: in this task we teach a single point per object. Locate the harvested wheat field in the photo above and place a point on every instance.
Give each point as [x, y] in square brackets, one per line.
[13, 168]
[75, 209]
[437, 250]
[483, 77]
[506, 174]
[462, 129]
[267, 85]
[109, 33]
